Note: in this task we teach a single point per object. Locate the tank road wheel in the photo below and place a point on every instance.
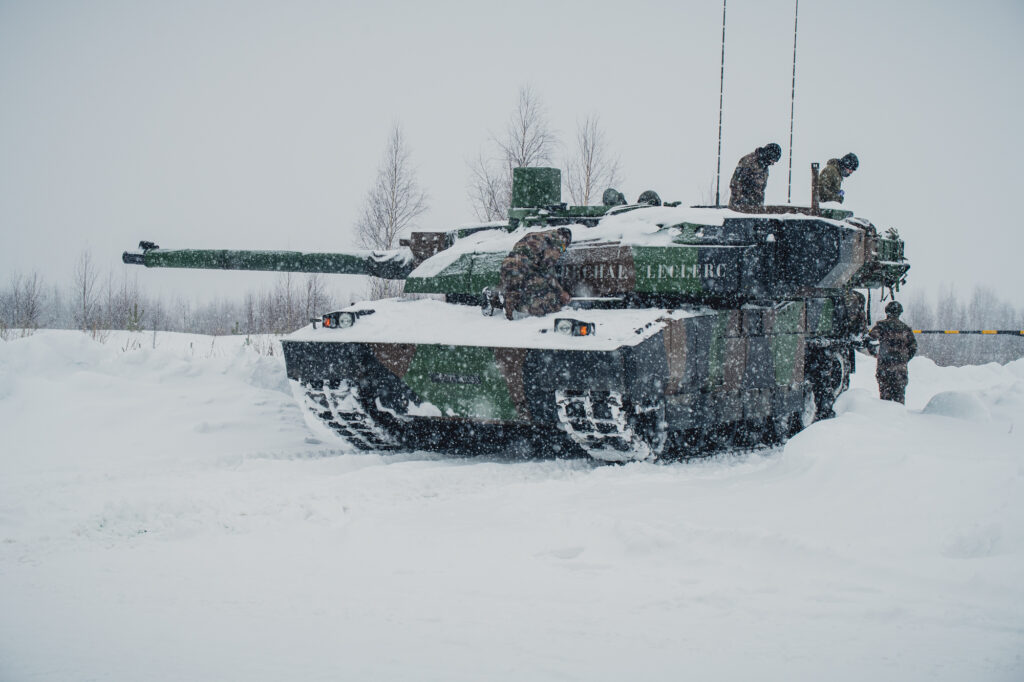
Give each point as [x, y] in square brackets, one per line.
[780, 428]
[830, 376]
[341, 409]
[649, 425]
[809, 413]
[609, 428]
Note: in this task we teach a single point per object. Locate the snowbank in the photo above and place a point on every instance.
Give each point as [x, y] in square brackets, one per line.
[165, 515]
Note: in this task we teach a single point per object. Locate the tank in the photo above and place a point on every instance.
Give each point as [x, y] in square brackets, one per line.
[690, 329]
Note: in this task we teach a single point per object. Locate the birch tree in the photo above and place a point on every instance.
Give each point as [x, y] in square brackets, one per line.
[391, 207]
[528, 141]
[592, 168]
[84, 293]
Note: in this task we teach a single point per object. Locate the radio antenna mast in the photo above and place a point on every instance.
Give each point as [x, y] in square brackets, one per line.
[721, 87]
[792, 106]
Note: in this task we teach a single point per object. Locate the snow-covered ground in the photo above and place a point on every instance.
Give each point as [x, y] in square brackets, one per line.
[165, 515]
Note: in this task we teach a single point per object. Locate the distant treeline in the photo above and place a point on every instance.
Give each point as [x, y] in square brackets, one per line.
[94, 301]
[98, 301]
[983, 309]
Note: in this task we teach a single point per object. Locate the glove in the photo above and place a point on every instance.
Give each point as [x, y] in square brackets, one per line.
[842, 194]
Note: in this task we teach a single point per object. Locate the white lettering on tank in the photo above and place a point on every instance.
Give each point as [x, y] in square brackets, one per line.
[679, 271]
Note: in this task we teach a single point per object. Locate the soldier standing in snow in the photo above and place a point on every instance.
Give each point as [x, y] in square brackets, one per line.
[746, 189]
[830, 180]
[528, 274]
[896, 345]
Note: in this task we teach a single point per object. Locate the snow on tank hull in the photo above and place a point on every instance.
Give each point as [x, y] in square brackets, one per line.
[650, 382]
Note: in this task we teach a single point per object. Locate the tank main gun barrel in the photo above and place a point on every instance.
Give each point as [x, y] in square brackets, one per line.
[392, 264]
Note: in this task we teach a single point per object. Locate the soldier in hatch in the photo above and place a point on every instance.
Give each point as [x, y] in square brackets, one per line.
[528, 274]
[746, 189]
[830, 180]
[896, 345]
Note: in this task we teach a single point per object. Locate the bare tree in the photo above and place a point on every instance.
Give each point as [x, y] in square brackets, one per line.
[490, 189]
[24, 303]
[592, 168]
[391, 206]
[85, 295]
[528, 141]
[316, 296]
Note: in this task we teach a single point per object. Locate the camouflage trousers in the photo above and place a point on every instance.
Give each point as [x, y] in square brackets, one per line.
[892, 384]
[536, 296]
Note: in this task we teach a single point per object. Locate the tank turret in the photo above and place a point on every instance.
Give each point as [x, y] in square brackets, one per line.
[688, 328]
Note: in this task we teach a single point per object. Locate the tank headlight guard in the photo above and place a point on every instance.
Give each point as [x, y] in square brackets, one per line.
[566, 325]
[340, 319]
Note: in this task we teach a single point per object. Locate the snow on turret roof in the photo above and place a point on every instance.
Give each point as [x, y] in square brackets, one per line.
[645, 226]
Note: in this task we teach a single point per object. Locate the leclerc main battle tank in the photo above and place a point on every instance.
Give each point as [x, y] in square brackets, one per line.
[690, 328]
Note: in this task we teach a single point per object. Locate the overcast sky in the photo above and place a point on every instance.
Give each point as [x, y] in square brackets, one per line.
[261, 124]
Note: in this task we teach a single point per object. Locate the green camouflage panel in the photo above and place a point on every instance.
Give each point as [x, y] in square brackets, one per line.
[821, 318]
[735, 364]
[464, 381]
[470, 273]
[473, 382]
[535, 187]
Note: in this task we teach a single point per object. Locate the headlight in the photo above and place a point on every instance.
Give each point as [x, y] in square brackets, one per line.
[565, 325]
[343, 319]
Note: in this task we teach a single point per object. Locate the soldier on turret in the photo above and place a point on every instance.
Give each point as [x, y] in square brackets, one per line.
[528, 274]
[896, 346]
[830, 180]
[750, 177]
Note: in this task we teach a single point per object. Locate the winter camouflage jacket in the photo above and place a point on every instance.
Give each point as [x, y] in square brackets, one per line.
[896, 345]
[748, 182]
[528, 275]
[830, 182]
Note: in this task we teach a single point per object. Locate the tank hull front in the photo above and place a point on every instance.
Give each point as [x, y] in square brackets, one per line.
[413, 374]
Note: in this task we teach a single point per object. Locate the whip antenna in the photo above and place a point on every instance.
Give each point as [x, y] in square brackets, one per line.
[721, 86]
[792, 105]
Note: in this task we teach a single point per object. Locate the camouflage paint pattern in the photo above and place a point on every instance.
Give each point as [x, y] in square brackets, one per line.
[736, 260]
[723, 366]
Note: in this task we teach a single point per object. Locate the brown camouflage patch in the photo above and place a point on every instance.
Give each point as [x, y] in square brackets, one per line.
[675, 353]
[396, 357]
[598, 271]
[510, 363]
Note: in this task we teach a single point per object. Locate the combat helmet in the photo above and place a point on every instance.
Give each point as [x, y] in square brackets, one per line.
[894, 309]
[566, 235]
[613, 197]
[850, 162]
[649, 197]
[769, 154]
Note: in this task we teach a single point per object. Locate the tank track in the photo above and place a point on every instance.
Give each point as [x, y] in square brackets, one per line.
[600, 423]
[341, 409]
